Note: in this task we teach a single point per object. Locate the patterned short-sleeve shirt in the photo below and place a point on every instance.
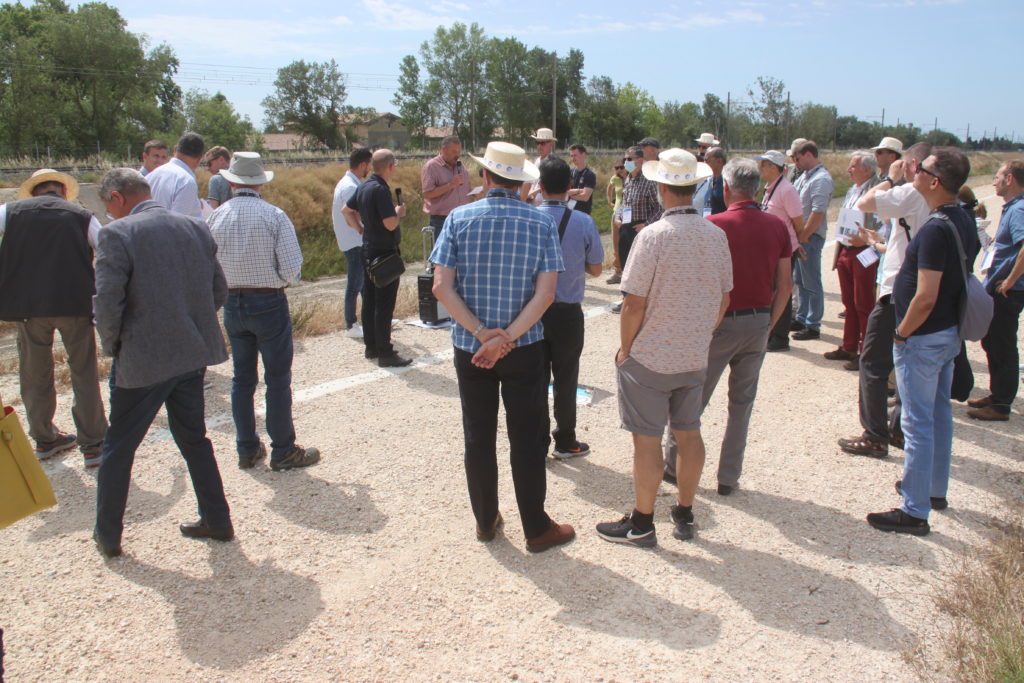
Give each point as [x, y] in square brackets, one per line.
[682, 266]
[497, 247]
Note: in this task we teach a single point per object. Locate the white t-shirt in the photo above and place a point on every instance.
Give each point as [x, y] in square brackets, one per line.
[899, 202]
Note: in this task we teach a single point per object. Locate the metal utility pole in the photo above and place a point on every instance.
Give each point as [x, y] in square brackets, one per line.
[725, 127]
[936, 126]
[789, 111]
[883, 117]
[554, 94]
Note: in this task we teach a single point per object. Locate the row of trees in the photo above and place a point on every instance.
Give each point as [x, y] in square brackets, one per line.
[76, 81]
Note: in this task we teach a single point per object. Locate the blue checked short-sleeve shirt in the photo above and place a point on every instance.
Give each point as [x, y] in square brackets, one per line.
[497, 247]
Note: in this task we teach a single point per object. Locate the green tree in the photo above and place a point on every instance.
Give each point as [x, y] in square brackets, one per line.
[309, 99]
[599, 121]
[455, 60]
[681, 124]
[639, 110]
[508, 78]
[113, 86]
[216, 119]
[410, 98]
[770, 110]
[712, 115]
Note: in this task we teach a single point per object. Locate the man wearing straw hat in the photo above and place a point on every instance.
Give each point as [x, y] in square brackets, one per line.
[496, 269]
[545, 139]
[47, 280]
[259, 252]
[705, 142]
[676, 284]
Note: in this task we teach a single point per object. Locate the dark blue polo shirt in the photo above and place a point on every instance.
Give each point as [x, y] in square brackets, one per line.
[373, 202]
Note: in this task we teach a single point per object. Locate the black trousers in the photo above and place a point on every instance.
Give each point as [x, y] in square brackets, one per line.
[626, 236]
[779, 336]
[563, 344]
[378, 308]
[519, 378]
[1000, 346]
[876, 363]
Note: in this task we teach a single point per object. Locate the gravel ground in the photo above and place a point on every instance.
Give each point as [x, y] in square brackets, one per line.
[365, 566]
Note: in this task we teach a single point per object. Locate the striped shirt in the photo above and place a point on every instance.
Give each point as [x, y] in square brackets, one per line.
[641, 196]
[497, 247]
[256, 243]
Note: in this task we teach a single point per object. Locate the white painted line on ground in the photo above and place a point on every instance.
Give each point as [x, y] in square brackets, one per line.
[342, 383]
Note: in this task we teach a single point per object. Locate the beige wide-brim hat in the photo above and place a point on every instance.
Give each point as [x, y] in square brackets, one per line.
[48, 175]
[246, 169]
[707, 139]
[545, 135]
[676, 167]
[891, 144]
[796, 143]
[508, 161]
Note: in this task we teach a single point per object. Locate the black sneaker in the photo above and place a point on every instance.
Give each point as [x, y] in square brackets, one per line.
[393, 361]
[807, 333]
[623, 531]
[899, 521]
[577, 449]
[299, 457]
[247, 462]
[796, 326]
[937, 503]
[683, 519]
[777, 346]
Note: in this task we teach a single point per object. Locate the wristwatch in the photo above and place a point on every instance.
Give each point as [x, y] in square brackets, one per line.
[898, 337]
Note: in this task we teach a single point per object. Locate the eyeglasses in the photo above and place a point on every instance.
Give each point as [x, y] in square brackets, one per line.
[628, 158]
[620, 168]
[922, 169]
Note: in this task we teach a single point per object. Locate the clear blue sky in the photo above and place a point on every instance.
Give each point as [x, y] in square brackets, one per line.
[917, 59]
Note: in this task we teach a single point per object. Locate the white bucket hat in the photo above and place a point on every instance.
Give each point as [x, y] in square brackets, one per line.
[48, 175]
[508, 161]
[774, 156]
[545, 135]
[707, 139]
[796, 143]
[246, 169]
[891, 144]
[676, 167]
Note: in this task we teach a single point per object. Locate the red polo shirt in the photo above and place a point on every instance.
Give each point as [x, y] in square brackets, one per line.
[757, 240]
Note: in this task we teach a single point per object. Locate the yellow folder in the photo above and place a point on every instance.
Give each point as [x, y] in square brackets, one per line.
[24, 487]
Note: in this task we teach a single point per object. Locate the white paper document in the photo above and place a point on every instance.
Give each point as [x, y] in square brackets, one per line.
[848, 225]
[867, 257]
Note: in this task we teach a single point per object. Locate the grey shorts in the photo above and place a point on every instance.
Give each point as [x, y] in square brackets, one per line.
[649, 400]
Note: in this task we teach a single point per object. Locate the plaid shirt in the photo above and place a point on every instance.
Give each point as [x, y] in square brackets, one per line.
[256, 243]
[641, 195]
[497, 247]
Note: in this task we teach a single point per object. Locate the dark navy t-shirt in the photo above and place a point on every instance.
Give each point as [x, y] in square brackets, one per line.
[373, 202]
[581, 178]
[934, 248]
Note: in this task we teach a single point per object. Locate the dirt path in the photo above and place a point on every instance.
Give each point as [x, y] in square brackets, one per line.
[365, 567]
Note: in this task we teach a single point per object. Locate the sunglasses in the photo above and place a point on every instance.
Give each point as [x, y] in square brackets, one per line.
[620, 168]
[922, 169]
[629, 158]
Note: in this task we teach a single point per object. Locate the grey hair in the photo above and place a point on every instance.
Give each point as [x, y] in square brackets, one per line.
[867, 160]
[450, 140]
[125, 181]
[742, 176]
[715, 152]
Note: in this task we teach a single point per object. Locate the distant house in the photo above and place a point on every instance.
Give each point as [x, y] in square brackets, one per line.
[288, 142]
[381, 129]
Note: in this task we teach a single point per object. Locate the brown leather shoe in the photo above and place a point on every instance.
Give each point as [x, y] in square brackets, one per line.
[984, 402]
[839, 354]
[989, 412]
[556, 535]
[488, 535]
[852, 364]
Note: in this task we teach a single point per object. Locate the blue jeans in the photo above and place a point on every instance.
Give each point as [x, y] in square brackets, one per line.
[353, 283]
[807, 278]
[260, 324]
[924, 373]
[131, 413]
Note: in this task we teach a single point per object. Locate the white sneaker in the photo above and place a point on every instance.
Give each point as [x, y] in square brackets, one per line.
[355, 332]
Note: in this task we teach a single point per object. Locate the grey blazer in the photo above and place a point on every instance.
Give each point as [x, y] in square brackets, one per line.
[158, 288]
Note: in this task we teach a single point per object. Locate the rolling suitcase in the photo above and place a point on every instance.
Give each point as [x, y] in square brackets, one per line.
[432, 311]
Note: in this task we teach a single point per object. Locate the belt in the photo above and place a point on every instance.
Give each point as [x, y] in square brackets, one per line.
[565, 304]
[437, 215]
[255, 290]
[747, 311]
[885, 300]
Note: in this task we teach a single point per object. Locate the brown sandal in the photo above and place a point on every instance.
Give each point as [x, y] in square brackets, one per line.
[864, 446]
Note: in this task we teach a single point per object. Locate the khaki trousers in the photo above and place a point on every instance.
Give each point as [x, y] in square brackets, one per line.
[35, 355]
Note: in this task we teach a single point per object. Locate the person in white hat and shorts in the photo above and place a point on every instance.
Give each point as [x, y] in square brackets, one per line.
[545, 139]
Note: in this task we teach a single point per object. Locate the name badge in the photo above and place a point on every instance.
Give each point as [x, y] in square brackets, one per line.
[627, 215]
[706, 212]
[867, 257]
[986, 261]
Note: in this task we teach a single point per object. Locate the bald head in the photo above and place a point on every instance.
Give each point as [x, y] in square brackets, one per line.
[382, 160]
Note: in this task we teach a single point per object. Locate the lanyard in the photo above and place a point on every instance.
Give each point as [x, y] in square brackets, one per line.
[764, 204]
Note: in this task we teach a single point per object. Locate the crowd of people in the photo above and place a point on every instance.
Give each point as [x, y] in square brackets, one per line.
[709, 254]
